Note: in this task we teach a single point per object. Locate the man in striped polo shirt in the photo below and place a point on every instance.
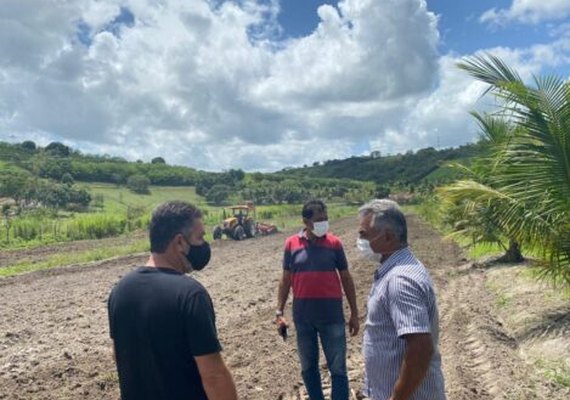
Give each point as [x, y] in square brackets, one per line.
[315, 265]
[402, 360]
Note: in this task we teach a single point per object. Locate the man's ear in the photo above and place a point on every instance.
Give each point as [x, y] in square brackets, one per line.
[179, 240]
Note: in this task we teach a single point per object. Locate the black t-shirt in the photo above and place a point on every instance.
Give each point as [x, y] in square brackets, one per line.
[160, 320]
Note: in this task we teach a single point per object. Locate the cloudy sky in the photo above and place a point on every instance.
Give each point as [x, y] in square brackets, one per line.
[260, 84]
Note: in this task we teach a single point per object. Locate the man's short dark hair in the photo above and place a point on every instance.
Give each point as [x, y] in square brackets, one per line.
[312, 206]
[168, 220]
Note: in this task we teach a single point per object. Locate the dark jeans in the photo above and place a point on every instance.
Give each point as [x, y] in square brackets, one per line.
[333, 340]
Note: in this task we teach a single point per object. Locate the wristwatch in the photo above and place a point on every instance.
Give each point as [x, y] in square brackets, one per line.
[278, 313]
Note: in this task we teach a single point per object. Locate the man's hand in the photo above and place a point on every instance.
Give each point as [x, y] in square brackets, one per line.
[350, 291]
[282, 326]
[353, 325]
[284, 287]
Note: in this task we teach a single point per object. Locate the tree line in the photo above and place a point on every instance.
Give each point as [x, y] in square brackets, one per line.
[410, 168]
[62, 165]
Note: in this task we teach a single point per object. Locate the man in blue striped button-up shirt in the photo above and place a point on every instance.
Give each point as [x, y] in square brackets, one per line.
[401, 335]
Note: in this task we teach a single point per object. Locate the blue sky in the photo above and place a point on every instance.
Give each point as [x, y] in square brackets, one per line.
[459, 25]
[261, 84]
[125, 18]
[462, 32]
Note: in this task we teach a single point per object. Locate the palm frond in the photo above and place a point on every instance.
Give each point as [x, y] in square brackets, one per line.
[490, 69]
[522, 184]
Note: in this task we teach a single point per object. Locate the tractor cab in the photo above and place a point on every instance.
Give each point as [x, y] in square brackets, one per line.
[238, 223]
[238, 213]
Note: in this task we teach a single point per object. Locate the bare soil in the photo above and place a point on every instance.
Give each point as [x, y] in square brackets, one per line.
[54, 341]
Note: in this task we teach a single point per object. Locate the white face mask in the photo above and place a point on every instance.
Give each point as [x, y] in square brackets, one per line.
[366, 251]
[320, 229]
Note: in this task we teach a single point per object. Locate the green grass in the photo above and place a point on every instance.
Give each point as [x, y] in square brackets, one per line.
[409, 208]
[556, 371]
[501, 299]
[122, 212]
[562, 377]
[118, 199]
[478, 250]
[430, 211]
[32, 229]
[443, 174]
[7, 164]
[63, 259]
[288, 216]
[284, 216]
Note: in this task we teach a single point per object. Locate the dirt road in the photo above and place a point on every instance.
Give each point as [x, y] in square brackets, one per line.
[54, 337]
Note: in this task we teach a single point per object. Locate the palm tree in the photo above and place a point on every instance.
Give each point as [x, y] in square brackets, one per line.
[529, 187]
[471, 203]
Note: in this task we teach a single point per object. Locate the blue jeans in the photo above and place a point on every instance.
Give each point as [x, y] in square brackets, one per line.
[333, 340]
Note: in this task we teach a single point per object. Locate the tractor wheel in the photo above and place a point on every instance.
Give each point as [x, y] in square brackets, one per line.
[217, 234]
[250, 230]
[239, 233]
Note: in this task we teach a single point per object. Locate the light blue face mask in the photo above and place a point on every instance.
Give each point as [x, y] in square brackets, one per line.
[366, 250]
[321, 228]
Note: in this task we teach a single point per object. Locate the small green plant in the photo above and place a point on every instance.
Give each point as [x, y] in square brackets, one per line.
[503, 300]
[558, 371]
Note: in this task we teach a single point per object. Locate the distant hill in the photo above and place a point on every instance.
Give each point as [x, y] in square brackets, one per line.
[423, 166]
[23, 166]
[56, 159]
[352, 180]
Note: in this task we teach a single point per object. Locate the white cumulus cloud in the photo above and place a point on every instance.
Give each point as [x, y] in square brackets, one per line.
[528, 11]
[213, 84]
[442, 118]
[189, 79]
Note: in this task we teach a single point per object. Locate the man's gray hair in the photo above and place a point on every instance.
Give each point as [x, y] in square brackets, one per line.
[386, 214]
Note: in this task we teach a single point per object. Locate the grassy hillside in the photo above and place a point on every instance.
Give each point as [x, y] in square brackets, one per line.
[61, 164]
[426, 165]
[117, 199]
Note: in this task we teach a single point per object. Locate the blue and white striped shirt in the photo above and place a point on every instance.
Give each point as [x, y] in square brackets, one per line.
[401, 302]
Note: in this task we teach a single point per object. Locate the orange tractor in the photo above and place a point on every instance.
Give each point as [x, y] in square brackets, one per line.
[241, 224]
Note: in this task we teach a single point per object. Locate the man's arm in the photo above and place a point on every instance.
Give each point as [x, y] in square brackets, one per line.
[283, 294]
[202, 337]
[419, 350]
[216, 378]
[350, 291]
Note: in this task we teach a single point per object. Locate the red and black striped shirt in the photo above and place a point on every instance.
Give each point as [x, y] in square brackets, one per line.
[314, 265]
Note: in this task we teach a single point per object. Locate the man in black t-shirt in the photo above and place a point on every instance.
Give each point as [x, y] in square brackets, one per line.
[162, 322]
